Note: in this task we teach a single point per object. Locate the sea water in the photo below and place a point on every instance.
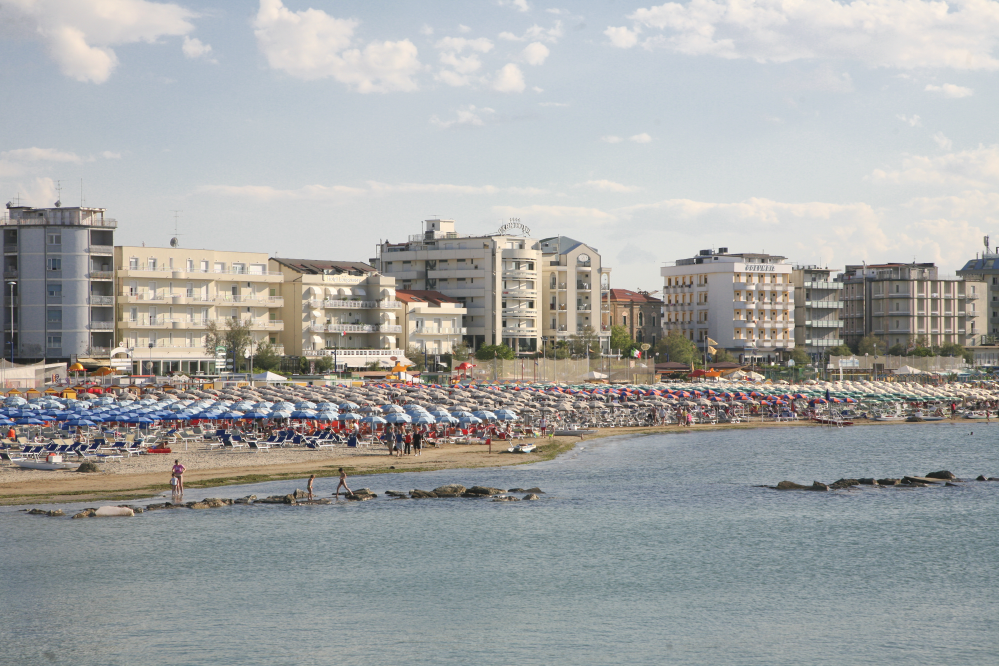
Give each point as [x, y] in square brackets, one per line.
[643, 550]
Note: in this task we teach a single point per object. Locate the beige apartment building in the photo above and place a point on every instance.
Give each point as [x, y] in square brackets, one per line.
[575, 287]
[342, 309]
[166, 298]
[431, 321]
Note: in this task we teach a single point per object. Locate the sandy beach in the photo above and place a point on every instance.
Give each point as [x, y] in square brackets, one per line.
[146, 475]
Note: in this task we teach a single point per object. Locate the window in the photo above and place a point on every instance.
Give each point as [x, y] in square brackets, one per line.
[151, 263]
[624, 320]
[54, 342]
[133, 263]
[53, 238]
[133, 314]
[190, 265]
[171, 263]
[54, 263]
[273, 292]
[54, 289]
[204, 265]
[53, 318]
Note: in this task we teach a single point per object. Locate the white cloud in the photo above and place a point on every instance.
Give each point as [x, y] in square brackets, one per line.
[509, 79]
[608, 186]
[266, 193]
[311, 44]
[79, 34]
[621, 37]
[427, 30]
[885, 33]
[458, 69]
[466, 115]
[975, 168]
[640, 138]
[912, 121]
[611, 139]
[552, 104]
[536, 33]
[535, 53]
[943, 141]
[40, 155]
[463, 28]
[519, 5]
[195, 48]
[950, 90]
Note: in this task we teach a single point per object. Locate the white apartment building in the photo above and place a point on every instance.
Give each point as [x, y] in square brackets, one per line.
[575, 287]
[168, 295]
[431, 321]
[342, 309]
[495, 276]
[744, 302]
[58, 291]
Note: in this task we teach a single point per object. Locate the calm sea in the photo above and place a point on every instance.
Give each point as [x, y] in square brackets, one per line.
[645, 550]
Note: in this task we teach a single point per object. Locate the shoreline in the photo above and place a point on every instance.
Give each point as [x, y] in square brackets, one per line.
[144, 477]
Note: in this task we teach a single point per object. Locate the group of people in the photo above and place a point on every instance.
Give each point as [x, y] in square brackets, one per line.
[177, 482]
[404, 440]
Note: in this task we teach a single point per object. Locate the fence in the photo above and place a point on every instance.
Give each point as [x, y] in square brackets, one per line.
[569, 371]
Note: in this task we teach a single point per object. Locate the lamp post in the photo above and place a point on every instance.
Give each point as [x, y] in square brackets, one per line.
[151, 345]
[12, 285]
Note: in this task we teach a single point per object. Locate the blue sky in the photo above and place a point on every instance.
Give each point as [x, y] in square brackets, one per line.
[830, 132]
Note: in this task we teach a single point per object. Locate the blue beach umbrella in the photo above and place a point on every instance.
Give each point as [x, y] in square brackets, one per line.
[348, 416]
[398, 418]
[447, 419]
[373, 419]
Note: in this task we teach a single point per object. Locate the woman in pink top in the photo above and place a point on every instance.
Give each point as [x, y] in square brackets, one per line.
[178, 473]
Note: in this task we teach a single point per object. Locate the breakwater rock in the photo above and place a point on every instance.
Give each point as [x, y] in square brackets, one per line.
[940, 478]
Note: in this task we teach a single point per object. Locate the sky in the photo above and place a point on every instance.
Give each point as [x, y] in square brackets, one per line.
[828, 132]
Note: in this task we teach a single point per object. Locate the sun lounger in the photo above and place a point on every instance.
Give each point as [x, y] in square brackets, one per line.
[259, 446]
[7, 458]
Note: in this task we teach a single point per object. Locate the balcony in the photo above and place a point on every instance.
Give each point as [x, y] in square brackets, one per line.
[101, 249]
[439, 330]
[520, 293]
[101, 300]
[561, 286]
[824, 323]
[10, 248]
[9, 273]
[584, 286]
[520, 312]
[101, 326]
[519, 274]
[101, 275]
[582, 308]
[367, 305]
[343, 328]
[520, 332]
[970, 297]
[824, 304]
[99, 352]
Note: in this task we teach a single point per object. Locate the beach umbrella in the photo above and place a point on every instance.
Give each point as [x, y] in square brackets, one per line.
[256, 415]
[280, 414]
[424, 419]
[348, 406]
[398, 418]
[348, 416]
[373, 419]
[303, 414]
[29, 421]
[447, 418]
[465, 420]
[326, 416]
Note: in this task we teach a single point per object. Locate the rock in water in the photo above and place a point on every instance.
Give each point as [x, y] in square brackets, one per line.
[942, 474]
[200, 505]
[449, 490]
[981, 477]
[889, 482]
[506, 498]
[868, 482]
[844, 483]
[536, 491]
[249, 499]
[530, 497]
[88, 467]
[113, 511]
[86, 513]
[791, 485]
[43, 512]
[481, 491]
[395, 493]
[421, 494]
[516, 490]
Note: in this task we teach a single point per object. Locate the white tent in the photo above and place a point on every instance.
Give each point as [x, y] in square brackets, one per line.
[593, 374]
[268, 376]
[908, 370]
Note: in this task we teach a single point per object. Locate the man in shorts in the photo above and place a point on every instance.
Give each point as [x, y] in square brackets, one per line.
[417, 442]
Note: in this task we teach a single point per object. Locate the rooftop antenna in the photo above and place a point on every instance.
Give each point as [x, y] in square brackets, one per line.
[175, 241]
[82, 200]
[58, 202]
[986, 244]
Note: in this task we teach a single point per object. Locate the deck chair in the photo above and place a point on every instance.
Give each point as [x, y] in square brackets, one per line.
[259, 446]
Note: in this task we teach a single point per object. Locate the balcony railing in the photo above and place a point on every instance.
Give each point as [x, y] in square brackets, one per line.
[439, 330]
[102, 326]
[9, 273]
[101, 300]
[102, 275]
[100, 352]
[343, 304]
[101, 249]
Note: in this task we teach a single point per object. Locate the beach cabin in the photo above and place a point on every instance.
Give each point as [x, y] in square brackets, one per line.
[31, 394]
[68, 393]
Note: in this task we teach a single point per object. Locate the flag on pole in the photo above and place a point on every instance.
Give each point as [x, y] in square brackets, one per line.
[711, 342]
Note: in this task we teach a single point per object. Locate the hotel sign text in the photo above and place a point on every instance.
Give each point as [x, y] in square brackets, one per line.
[761, 267]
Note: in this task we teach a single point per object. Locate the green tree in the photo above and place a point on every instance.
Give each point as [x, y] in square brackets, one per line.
[265, 358]
[897, 350]
[840, 350]
[460, 352]
[415, 354]
[677, 348]
[489, 352]
[800, 357]
[234, 336]
[586, 343]
[871, 344]
[620, 339]
[722, 356]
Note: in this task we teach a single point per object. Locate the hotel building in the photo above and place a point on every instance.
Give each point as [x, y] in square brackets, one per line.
[902, 303]
[58, 291]
[342, 309]
[986, 269]
[431, 321]
[744, 302]
[640, 313]
[168, 296]
[496, 277]
[574, 287]
[818, 304]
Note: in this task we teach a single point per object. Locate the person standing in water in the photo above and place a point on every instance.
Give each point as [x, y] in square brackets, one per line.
[311, 479]
[178, 474]
[343, 483]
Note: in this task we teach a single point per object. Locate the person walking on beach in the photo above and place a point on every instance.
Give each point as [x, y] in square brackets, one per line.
[543, 424]
[311, 479]
[417, 442]
[178, 475]
[343, 482]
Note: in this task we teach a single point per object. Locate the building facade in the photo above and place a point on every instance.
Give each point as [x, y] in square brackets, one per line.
[342, 309]
[986, 269]
[168, 297]
[744, 302]
[58, 292]
[575, 287]
[818, 306]
[909, 303]
[431, 321]
[495, 276]
[639, 312]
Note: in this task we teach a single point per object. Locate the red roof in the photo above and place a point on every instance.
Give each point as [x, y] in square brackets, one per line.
[423, 296]
[632, 296]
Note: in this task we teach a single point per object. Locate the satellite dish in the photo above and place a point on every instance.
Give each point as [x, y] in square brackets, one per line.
[174, 242]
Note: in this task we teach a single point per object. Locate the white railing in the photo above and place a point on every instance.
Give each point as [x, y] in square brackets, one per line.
[439, 330]
[343, 304]
[101, 300]
[102, 326]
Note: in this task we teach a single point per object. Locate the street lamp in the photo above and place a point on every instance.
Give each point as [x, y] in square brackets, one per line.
[151, 345]
[12, 285]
